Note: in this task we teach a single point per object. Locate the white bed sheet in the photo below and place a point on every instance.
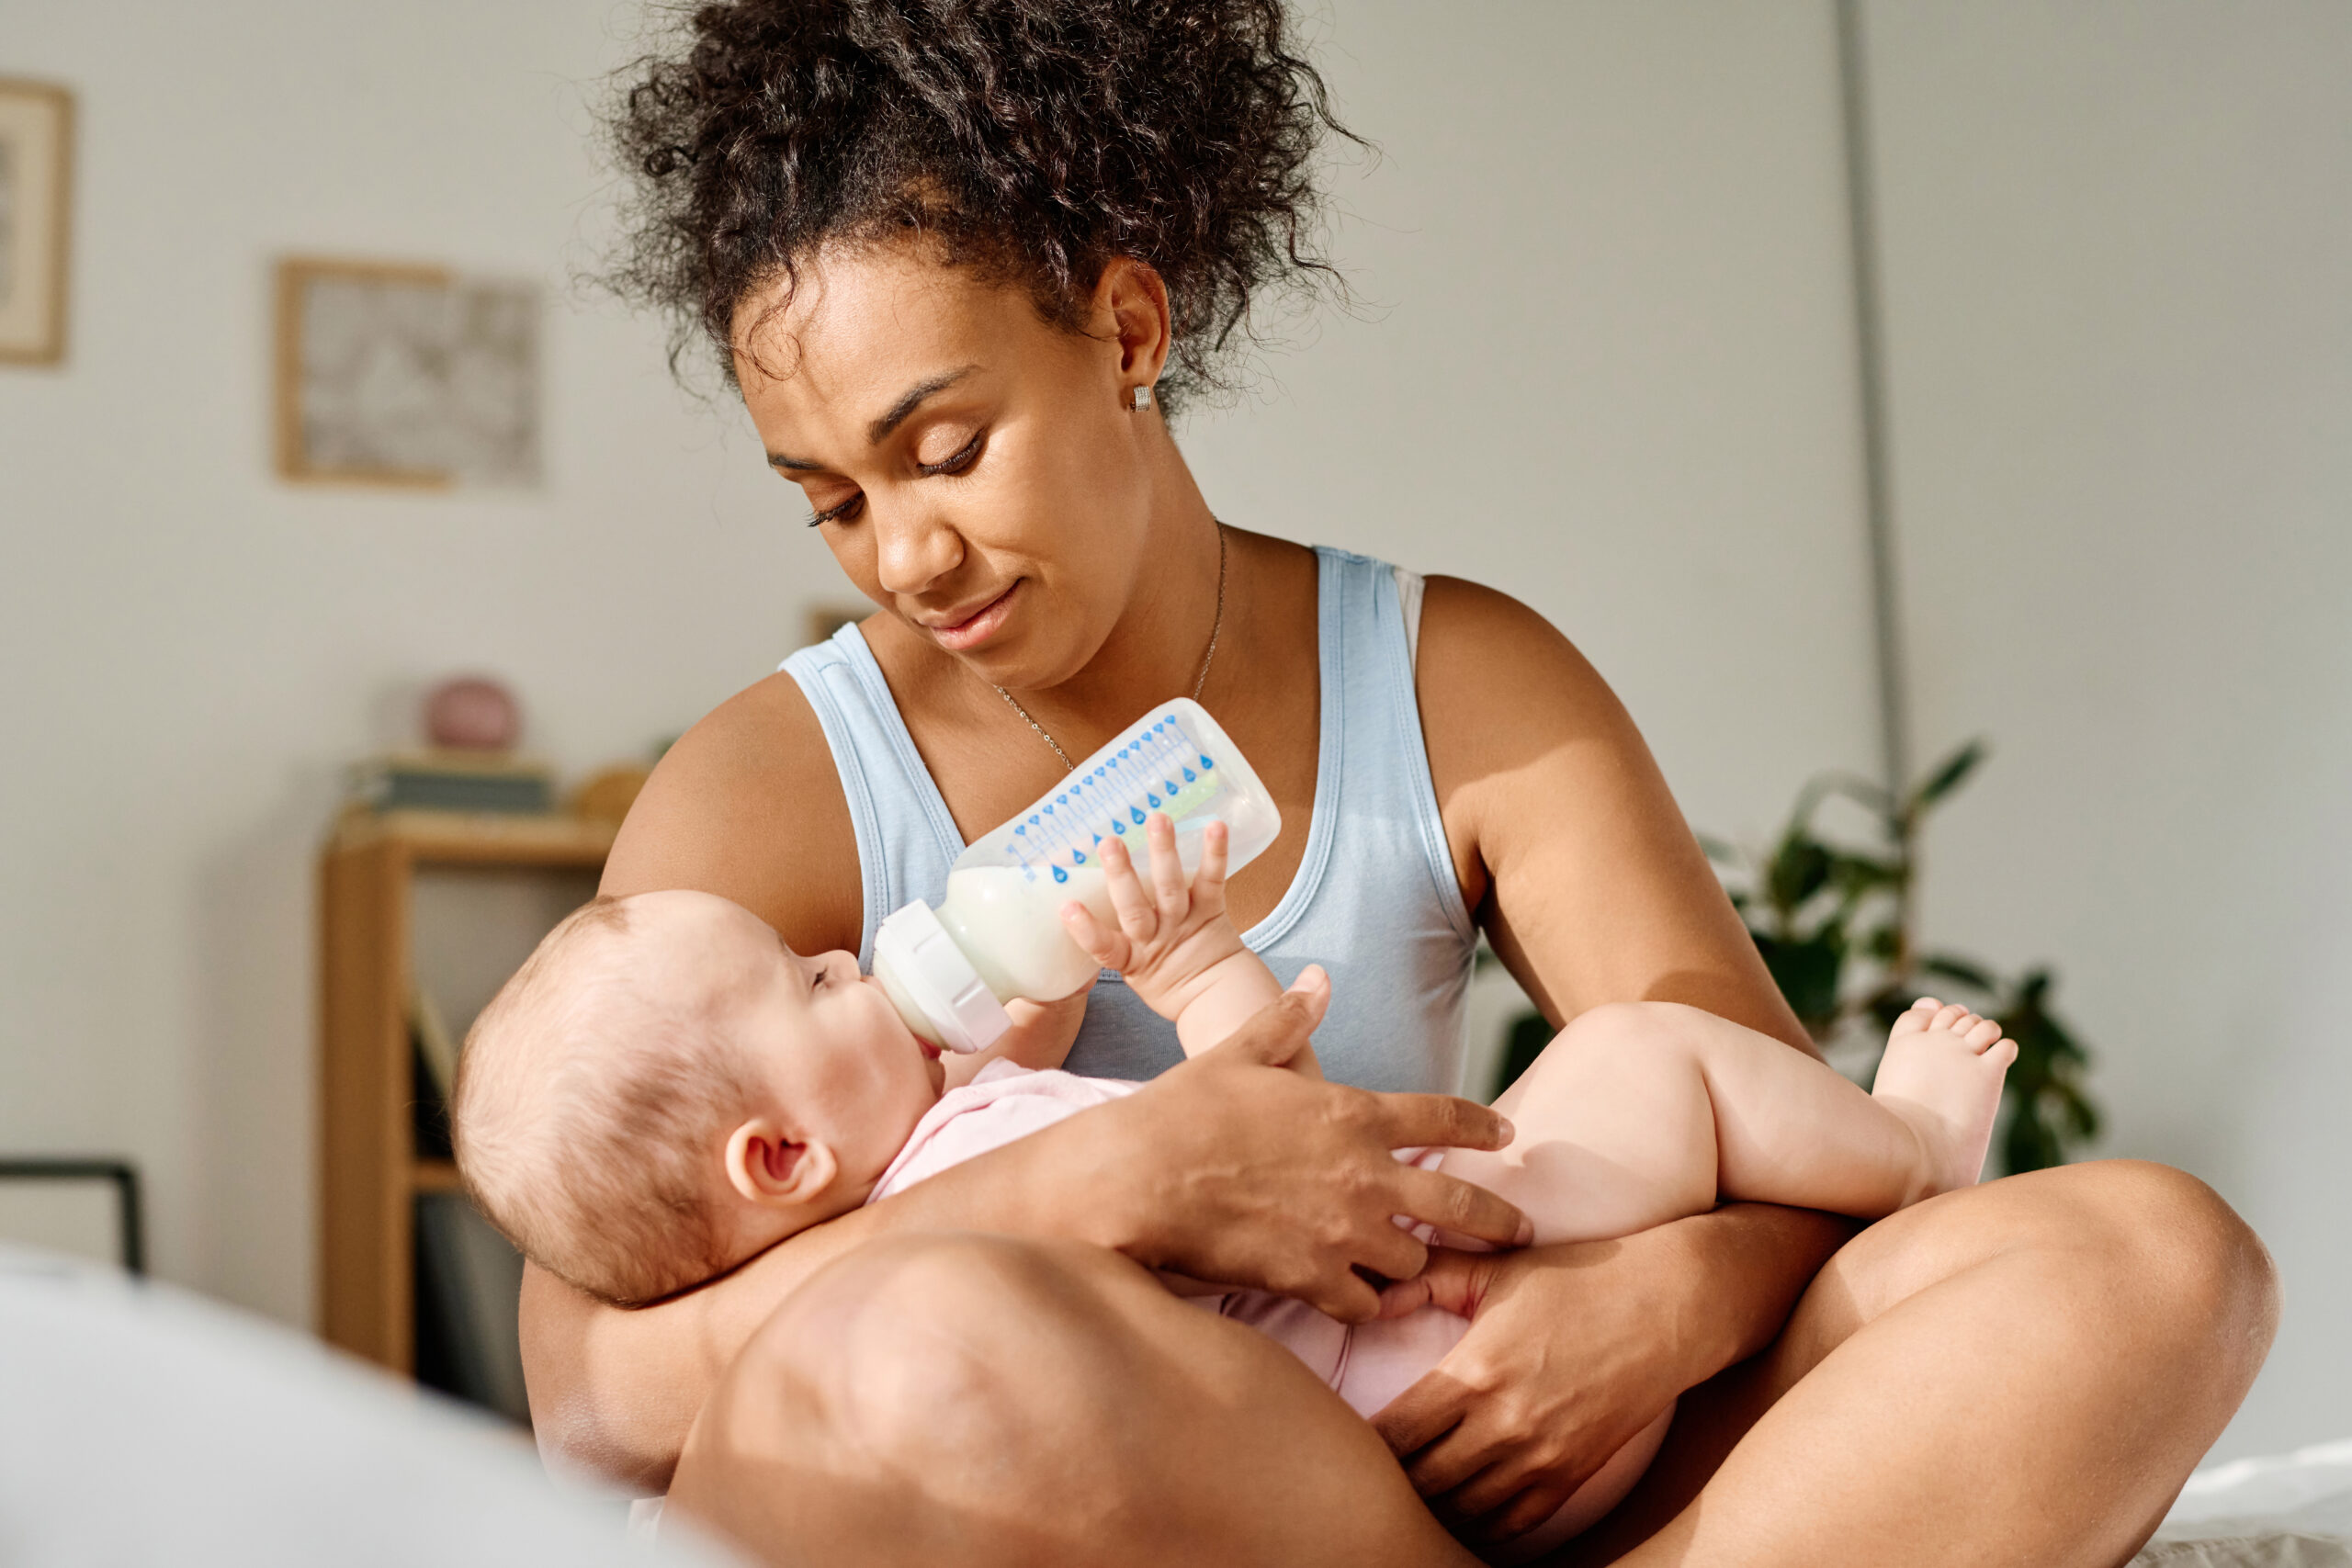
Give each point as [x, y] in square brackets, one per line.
[2288, 1511]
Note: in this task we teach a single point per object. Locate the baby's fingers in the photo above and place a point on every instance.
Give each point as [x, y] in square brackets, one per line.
[1167, 868]
[1107, 948]
[1208, 885]
[1129, 902]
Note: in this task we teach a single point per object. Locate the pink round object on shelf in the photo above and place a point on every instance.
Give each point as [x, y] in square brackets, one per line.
[472, 714]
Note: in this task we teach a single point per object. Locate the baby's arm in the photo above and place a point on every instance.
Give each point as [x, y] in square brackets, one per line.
[1175, 944]
[1041, 1036]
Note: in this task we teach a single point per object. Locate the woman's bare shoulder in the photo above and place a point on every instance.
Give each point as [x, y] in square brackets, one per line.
[1499, 685]
[747, 805]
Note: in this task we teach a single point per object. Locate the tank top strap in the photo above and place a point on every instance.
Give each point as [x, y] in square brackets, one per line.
[905, 837]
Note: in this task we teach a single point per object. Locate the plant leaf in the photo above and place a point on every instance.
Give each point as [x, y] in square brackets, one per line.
[1807, 972]
[1946, 776]
[1945, 966]
[1858, 876]
[1800, 869]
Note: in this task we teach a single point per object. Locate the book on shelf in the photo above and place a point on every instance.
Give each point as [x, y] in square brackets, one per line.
[434, 1041]
[429, 1113]
[433, 1068]
[455, 781]
[469, 1289]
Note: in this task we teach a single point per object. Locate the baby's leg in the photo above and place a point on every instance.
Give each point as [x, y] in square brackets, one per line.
[1643, 1112]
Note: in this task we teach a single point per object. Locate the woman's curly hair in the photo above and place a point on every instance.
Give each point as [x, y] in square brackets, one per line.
[1034, 139]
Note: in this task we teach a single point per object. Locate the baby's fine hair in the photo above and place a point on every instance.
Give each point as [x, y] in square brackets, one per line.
[585, 1115]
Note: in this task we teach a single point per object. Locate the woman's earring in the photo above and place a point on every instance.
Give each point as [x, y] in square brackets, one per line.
[1140, 399]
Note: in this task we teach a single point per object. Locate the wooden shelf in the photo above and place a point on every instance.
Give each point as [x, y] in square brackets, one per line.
[481, 837]
[371, 1176]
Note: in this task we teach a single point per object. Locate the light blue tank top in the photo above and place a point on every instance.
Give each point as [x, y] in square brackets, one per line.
[1375, 900]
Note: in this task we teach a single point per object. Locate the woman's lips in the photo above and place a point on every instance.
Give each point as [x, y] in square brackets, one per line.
[978, 628]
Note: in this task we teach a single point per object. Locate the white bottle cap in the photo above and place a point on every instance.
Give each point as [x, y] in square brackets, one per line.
[923, 961]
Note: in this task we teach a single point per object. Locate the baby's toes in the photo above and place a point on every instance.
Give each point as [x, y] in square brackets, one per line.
[1950, 1018]
[1983, 1033]
[1914, 1019]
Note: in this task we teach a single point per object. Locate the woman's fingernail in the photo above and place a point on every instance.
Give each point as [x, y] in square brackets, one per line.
[1510, 1134]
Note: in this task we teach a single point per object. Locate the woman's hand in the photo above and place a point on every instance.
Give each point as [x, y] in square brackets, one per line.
[1228, 1169]
[1572, 1349]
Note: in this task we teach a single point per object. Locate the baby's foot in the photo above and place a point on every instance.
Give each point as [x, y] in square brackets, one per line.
[1942, 1073]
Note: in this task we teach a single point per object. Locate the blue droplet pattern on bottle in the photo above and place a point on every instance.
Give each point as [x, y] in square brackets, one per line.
[1158, 768]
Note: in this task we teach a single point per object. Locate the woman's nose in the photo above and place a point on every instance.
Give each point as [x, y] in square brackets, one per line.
[913, 549]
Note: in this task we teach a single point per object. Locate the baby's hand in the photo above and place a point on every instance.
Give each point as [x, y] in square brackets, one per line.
[1170, 938]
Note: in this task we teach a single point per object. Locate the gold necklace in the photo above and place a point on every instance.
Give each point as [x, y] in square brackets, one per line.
[1199, 683]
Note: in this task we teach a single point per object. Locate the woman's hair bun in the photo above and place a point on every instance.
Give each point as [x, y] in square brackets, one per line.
[1036, 138]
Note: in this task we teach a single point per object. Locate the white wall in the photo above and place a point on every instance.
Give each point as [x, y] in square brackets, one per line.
[1606, 364]
[2117, 249]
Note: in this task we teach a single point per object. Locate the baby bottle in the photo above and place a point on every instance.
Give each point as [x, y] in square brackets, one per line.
[997, 933]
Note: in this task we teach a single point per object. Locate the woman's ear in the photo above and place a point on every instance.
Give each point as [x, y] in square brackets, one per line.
[768, 1166]
[1132, 299]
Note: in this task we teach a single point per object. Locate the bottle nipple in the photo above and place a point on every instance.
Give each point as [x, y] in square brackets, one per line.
[933, 985]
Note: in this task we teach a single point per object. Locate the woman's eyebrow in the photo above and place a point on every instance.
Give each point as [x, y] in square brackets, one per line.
[910, 400]
[880, 430]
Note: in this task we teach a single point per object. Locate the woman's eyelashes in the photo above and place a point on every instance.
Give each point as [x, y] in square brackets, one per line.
[963, 458]
[842, 512]
[959, 461]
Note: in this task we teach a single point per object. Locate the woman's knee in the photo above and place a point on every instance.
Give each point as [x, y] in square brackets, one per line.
[2137, 1258]
[2190, 1265]
[913, 1399]
[923, 1348]
[984, 1400]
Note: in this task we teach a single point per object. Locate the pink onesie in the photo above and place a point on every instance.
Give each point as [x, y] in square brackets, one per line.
[1368, 1363]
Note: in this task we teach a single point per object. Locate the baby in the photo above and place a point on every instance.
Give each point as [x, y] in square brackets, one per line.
[666, 1089]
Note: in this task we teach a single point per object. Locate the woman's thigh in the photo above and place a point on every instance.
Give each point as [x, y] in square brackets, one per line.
[974, 1400]
[2022, 1372]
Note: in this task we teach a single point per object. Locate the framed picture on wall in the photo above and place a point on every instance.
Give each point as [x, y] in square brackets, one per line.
[393, 373]
[36, 192]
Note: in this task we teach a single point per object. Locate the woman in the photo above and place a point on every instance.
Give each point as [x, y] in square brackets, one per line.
[960, 260]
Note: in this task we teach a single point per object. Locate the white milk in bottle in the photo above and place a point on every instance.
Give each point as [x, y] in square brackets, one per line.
[997, 933]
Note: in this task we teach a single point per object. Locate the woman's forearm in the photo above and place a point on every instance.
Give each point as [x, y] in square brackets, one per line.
[614, 1391]
[1745, 1265]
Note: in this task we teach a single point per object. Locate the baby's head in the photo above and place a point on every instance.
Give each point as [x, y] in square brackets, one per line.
[666, 1089]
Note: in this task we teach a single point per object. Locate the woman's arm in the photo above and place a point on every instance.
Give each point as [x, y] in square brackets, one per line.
[1568, 844]
[1592, 889]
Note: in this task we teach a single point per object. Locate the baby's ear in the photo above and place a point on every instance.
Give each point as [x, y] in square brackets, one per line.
[766, 1164]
